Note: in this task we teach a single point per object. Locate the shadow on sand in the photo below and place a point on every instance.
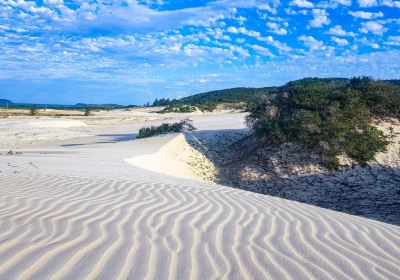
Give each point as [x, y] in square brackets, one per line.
[105, 139]
[371, 192]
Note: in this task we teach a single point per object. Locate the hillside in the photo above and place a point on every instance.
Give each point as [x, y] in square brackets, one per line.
[207, 101]
[4, 102]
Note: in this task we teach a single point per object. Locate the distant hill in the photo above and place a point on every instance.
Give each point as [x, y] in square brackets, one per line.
[396, 82]
[99, 106]
[5, 102]
[207, 101]
[233, 95]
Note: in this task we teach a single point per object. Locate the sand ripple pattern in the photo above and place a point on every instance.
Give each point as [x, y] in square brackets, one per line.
[62, 227]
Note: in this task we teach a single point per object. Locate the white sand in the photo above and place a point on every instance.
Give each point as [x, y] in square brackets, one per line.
[78, 211]
[176, 158]
[57, 123]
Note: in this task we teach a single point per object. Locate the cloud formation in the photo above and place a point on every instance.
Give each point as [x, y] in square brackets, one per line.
[147, 45]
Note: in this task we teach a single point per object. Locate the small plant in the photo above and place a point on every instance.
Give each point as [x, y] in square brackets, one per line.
[87, 112]
[182, 126]
[33, 111]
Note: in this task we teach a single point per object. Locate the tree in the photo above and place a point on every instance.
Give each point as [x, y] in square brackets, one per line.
[331, 118]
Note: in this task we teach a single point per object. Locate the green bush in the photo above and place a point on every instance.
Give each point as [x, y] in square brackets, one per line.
[334, 118]
[33, 111]
[87, 111]
[182, 126]
[179, 108]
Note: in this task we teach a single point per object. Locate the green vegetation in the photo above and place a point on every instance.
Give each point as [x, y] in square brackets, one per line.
[208, 101]
[33, 111]
[179, 108]
[182, 126]
[87, 111]
[330, 115]
[163, 102]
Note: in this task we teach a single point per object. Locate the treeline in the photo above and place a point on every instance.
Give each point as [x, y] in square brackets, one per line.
[332, 116]
[208, 101]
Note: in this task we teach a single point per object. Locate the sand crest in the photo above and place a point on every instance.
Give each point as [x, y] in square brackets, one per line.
[79, 211]
[176, 158]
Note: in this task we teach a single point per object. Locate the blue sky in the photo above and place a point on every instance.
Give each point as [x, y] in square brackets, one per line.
[130, 52]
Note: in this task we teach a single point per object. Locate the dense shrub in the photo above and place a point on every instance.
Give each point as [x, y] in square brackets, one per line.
[333, 117]
[180, 108]
[182, 126]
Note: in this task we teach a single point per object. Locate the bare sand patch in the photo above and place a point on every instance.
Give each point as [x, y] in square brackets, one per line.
[177, 158]
[57, 123]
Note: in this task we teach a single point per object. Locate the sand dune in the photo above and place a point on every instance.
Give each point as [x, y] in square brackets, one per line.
[76, 210]
[176, 158]
[59, 227]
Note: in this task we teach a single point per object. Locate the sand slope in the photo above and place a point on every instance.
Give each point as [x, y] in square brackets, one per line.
[81, 212]
[176, 158]
[63, 227]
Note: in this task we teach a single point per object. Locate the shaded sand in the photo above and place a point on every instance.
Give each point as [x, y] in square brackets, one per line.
[75, 210]
[176, 158]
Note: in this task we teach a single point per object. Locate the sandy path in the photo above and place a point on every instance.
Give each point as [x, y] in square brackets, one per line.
[81, 212]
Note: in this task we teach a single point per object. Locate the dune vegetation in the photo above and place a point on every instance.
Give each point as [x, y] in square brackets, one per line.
[331, 116]
[181, 126]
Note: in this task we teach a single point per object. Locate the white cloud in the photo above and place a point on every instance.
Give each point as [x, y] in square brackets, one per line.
[320, 18]
[367, 3]
[333, 4]
[54, 2]
[368, 43]
[366, 15]
[343, 2]
[340, 41]
[391, 3]
[262, 50]
[276, 28]
[338, 31]
[373, 27]
[393, 41]
[312, 43]
[267, 7]
[243, 30]
[302, 3]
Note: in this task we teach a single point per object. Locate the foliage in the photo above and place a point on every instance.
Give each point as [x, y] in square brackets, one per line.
[33, 111]
[208, 101]
[331, 115]
[182, 126]
[87, 111]
[179, 108]
[163, 102]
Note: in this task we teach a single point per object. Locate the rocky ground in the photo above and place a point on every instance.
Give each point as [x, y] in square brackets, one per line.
[294, 172]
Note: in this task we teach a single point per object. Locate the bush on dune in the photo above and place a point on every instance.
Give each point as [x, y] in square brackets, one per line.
[182, 126]
[333, 118]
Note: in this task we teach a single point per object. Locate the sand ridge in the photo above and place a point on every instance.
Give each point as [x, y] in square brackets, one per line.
[177, 158]
[64, 227]
[82, 212]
